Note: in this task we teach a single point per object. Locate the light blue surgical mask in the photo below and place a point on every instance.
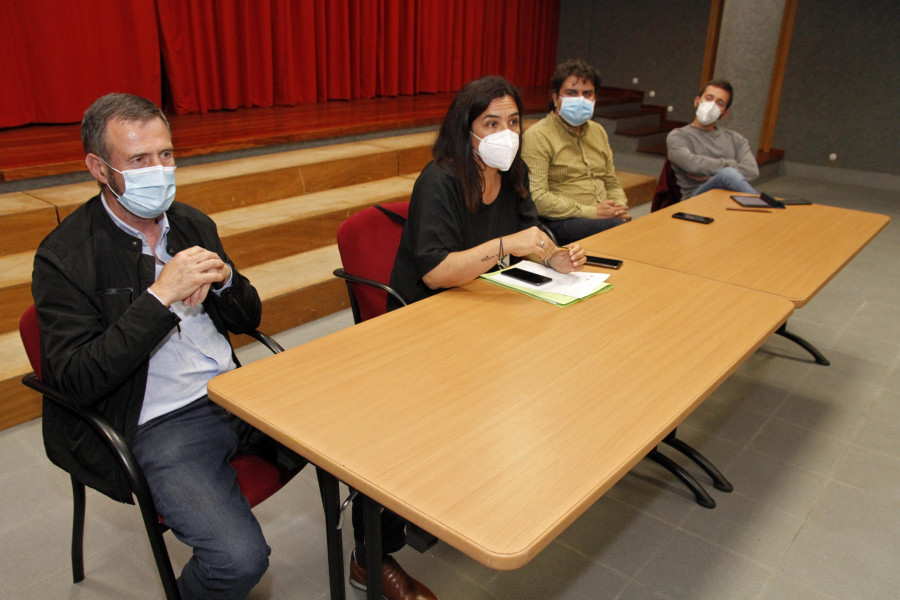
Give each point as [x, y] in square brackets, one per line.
[576, 110]
[149, 192]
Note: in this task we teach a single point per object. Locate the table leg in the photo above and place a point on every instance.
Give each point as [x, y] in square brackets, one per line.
[700, 494]
[331, 501]
[820, 358]
[372, 514]
[692, 453]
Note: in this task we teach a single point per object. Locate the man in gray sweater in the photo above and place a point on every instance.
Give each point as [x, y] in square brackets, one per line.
[706, 157]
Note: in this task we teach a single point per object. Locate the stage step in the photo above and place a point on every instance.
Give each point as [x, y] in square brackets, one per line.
[608, 99]
[260, 233]
[298, 289]
[224, 185]
[621, 120]
[638, 188]
[15, 288]
[24, 221]
[632, 140]
[17, 402]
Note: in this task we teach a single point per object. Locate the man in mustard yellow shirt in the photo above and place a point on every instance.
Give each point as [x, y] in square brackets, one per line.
[572, 176]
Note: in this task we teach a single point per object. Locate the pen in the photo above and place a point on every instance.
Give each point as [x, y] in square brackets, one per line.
[747, 209]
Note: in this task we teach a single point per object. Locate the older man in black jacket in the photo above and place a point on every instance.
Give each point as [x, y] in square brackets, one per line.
[135, 296]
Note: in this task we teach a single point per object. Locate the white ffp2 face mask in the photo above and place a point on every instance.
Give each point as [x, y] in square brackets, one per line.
[708, 112]
[498, 150]
[149, 192]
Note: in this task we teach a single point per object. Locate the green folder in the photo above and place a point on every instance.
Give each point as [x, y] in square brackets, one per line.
[551, 297]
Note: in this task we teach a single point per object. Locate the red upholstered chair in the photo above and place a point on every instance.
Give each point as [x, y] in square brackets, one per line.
[368, 243]
[257, 477]
[667, 191]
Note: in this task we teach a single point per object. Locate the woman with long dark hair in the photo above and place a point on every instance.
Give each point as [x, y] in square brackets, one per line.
[471, 208]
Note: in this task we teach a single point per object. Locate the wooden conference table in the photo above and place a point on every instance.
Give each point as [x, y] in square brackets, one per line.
[791, 252]
[493, 420]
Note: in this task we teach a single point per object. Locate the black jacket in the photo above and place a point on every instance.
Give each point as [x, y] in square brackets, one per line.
[99, 326]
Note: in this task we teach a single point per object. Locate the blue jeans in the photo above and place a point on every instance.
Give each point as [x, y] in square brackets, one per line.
[185, 457]
[728, 178]
[571, 230]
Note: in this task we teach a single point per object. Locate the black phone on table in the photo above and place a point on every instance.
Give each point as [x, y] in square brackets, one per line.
[771, 200]
[527, 276]
[599, 261]
[694, 218]
[764, 200]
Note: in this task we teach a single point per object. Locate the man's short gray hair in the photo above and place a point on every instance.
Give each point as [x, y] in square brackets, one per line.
[127, 107]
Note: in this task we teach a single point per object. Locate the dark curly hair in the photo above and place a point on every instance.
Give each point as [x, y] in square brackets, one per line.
[574, 66]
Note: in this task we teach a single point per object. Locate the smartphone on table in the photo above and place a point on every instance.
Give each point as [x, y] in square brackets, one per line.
[527, 276]
[599, 261]
[694, 218]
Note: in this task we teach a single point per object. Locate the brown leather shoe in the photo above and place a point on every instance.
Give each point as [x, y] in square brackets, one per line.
[396, 584]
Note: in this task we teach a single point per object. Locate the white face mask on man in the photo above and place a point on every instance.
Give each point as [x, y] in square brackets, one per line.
[498, 150]
[708, 112]
[149, 192]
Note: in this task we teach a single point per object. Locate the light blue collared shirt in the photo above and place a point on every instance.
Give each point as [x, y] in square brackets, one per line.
[192, 354]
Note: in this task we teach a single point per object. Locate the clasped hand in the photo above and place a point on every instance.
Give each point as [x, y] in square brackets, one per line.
[188, 275]
[538, 246]
[608, 209]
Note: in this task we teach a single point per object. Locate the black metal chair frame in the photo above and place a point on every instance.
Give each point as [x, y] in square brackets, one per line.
[328, 487]
[350, 279]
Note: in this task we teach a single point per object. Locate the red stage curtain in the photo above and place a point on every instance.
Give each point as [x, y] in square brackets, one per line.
[225, 54]
[59, 56]
[233, 53]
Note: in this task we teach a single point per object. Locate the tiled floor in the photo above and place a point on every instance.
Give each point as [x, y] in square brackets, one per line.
[812, 451]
